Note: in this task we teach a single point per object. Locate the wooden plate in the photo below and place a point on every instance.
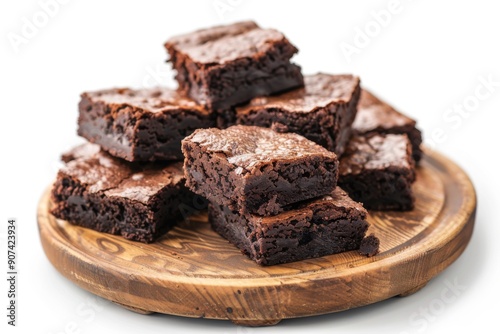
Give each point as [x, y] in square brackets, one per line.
[193, 272]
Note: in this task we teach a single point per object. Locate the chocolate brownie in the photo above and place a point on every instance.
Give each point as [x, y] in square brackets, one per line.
[142, 124]
[378, 171]
[322, 226]
[376, 116]
[257, 170]
[223, 66]
[322, 111]
[139, 201]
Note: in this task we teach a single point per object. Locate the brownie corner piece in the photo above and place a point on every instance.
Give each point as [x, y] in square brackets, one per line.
[323, 226]
[137, 201]
[257, 170]
[140, 124]
[376, 116]
[378, 170]
[226, 65]
[322, 111]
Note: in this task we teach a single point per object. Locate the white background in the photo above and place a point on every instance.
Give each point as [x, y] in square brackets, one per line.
[430, 57]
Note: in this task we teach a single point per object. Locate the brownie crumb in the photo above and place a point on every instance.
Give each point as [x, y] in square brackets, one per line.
[369, 246]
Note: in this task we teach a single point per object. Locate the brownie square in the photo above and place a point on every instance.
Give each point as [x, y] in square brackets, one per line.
[142, 124]
[223, 66]
[376, 116]
[257, 170]
[378, 171]
[137, 201]
[322, 111]
[322, 226]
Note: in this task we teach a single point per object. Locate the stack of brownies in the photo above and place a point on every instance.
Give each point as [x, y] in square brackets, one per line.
[265, 145]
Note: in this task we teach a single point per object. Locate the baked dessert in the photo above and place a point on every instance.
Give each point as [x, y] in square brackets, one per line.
[378, 171]
[322, 111]
[140, 124]
[223, 66]
[376, 116]
[369, 246]
[138, 201]
[327, 225]
[257, 170]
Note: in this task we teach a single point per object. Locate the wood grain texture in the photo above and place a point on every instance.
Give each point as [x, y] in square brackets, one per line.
[193, 272]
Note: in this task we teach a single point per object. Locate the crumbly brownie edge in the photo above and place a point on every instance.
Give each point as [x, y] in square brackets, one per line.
[347, 118]
[415, 136]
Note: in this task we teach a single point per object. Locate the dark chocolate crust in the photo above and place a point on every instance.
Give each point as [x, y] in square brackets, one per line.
[137, 201]
[378, 171]
[322, 111]
[257, 170]
[140, 125]
[224, 66]
[323, 226]
[376, 116]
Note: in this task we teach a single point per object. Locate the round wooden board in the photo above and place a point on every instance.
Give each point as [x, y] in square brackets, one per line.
[193, 272]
